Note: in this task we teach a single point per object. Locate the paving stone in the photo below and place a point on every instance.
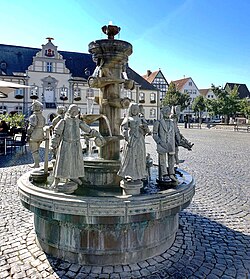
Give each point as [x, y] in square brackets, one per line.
[212, 240]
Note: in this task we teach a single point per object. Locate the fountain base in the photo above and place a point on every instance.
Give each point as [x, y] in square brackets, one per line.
[106, 230]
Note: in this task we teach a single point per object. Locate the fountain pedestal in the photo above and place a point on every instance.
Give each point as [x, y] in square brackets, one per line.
[106, 230]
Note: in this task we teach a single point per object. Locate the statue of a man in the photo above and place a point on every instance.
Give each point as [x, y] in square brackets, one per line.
[66, 139]
[164, 134]
[35, 133]
[180, 140]
[61, 110]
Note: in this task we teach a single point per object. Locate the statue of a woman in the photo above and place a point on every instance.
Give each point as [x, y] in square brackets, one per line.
[66, 139]
[133, 165]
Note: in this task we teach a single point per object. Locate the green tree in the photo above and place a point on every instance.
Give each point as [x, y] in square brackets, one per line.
[245, 107]
[15, 120]
[227, 102]
[199, 105]
[174, 97]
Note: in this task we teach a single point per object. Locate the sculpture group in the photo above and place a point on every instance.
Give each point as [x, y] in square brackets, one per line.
[135, 163]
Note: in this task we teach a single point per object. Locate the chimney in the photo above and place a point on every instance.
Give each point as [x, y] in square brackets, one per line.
[149, 73]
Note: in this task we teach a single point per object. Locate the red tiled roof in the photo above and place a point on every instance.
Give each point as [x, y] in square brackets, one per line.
[151, 77]
[180, 82]
[204, 92]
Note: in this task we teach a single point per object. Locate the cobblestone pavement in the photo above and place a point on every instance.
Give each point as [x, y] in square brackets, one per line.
[213, 240]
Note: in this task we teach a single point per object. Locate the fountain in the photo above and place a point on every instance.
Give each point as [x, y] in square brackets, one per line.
[100, 225]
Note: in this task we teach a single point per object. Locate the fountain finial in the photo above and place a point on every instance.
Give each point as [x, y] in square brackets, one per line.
[111, 30]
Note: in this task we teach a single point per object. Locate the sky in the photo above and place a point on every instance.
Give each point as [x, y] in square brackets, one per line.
[207, 40]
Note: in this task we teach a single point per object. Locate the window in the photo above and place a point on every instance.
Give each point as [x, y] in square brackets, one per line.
[127, 94]
[49, 67]
[142, 97]
[19, 93]
[152, 113]
[3, 109]
[152, 98]
[162, 95]
[19, 108]
[34, 92]
[77, 94]
[190, 83]
[64, 93]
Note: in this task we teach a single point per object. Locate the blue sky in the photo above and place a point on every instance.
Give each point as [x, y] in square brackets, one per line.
[208, 40]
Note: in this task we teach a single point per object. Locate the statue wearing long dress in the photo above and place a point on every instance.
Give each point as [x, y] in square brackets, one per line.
[35, 133]
[164, 134]
[134, 129]
[66, 139]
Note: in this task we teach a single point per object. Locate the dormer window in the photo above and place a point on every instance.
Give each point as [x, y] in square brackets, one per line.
[3, 65]
[49, 67]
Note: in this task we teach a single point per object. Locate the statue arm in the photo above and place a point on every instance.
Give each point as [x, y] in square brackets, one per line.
[125, 129]
[156, 132]
[178, 135]
[32, 125]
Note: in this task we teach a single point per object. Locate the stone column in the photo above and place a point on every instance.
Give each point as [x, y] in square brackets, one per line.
[111, 57]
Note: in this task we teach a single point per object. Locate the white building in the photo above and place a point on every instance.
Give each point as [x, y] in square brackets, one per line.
[60, 78]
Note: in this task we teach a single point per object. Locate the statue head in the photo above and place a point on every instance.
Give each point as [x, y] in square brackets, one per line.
[61, 110]
[166, 111]
[73, 110]
[133, 109]
[37, 106]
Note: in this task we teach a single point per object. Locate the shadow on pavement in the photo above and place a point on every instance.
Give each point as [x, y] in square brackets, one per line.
[202, 247]
[17, 157]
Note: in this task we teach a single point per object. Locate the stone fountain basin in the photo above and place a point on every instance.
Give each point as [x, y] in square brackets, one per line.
[105, 230]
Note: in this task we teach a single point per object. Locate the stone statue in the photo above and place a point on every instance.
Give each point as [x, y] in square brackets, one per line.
[35, 133]
[133, 165]
[149, 165]
[164, 134]
[180, 140]
[61, 110]
[66, 139]
[60, 115]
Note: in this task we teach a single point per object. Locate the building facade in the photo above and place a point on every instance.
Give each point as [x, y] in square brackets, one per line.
[60, 78]
[187, 85]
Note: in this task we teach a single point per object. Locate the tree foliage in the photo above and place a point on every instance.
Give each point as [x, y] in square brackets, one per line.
[174, 97]
[227, 102]
[199, 104]
[245, 107]
[14, 120]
